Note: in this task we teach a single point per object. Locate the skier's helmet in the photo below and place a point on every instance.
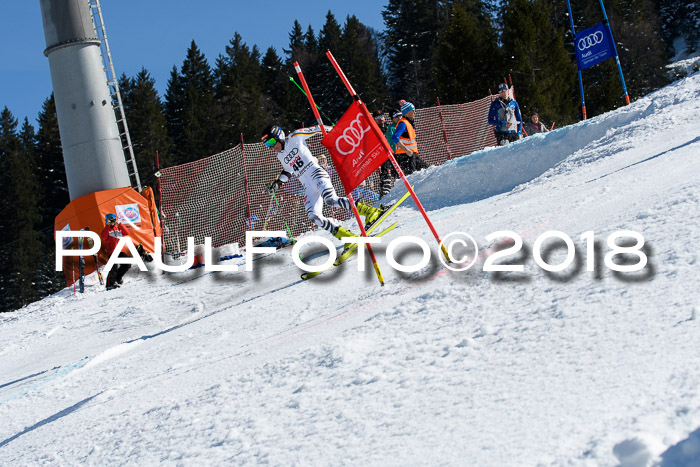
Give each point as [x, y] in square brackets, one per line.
[110, 218]
[272, 135]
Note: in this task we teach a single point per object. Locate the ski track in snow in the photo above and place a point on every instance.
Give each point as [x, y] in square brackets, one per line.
[437, 367]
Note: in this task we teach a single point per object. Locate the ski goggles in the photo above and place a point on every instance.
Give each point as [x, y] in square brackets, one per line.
[270, 143]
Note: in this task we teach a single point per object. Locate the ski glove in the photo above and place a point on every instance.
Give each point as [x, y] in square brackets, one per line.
[273, 186]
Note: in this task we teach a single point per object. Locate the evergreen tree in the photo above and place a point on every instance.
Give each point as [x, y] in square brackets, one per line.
[310, 59]
[637, 30]
[542, 71]
[274, 80]
[51, 176]
[679, 19]
[145, 115]
[311, 43]
[51, 170]
[296, 106]
[685, 14]
[359, 58]
[190, 108]
[468, 58]
[331, 96]
[296, 40]
[21, 249]
[174, 114]
[239, 92]
[411, 34]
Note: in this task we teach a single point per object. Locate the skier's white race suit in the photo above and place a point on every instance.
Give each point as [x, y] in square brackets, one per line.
[297, 160]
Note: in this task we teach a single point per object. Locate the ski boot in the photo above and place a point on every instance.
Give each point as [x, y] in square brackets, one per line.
[371, 214]
[341, 232]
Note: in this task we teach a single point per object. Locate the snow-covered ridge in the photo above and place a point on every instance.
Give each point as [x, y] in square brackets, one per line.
[493, 171]
[586, 368]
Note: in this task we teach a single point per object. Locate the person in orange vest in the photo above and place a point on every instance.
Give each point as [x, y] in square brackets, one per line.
[405, 140]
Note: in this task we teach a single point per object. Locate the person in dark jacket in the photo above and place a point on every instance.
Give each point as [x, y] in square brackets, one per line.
[111, 234]
[387, 173]
[504, 114]
[534, 125]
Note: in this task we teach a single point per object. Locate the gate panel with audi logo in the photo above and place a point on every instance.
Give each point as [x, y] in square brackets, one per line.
[593, 45]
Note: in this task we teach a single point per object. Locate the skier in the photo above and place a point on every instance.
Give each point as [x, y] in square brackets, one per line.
[297, 161]
[111, 234]
[504, 114]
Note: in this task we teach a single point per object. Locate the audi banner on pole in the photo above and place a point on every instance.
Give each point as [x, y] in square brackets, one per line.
[593, 45]
[356, 149]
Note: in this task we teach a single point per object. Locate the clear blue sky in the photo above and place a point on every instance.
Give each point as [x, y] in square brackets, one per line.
[156, 35]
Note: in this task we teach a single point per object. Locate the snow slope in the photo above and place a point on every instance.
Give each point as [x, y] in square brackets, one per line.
[437, 367]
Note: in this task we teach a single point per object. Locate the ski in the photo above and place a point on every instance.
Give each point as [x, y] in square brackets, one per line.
[97, 264]
[353, 249]
[97, 268]
[347, 254]
[370, 227]
[81, 266]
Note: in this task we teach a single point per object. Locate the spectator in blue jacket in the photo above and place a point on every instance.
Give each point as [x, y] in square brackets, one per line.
[504, 114]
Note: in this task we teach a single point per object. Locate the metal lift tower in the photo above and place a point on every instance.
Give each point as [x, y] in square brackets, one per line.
[92, 148]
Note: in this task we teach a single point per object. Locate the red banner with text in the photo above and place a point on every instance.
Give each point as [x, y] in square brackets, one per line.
[355, 148]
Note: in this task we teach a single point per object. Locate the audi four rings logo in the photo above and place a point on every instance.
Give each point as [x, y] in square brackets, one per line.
[351, 138]
[590, 40]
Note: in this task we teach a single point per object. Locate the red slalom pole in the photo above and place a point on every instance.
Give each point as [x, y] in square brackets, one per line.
[352, 201]
[444, 130]
[247, 190]
[160, 213]
[383, 140]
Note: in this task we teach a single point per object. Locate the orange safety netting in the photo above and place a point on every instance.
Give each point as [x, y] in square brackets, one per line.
[223, 196]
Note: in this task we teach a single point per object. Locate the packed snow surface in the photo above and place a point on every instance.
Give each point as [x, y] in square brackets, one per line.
[437, 367]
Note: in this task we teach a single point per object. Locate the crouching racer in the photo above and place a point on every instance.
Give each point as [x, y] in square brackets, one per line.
[297, 161]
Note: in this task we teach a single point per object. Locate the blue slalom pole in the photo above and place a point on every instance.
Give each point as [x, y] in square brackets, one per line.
[580, 81]
[617, 59]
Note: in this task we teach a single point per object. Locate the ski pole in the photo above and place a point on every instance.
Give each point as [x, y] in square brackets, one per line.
[304, 92]
[269, 210]
[285, 222]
